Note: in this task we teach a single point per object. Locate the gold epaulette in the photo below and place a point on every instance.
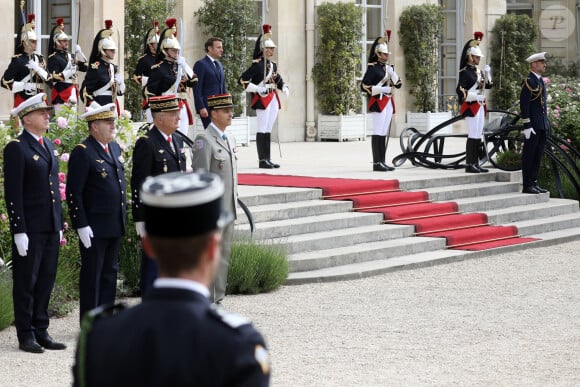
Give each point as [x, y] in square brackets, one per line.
[257, 60]
[13, 140]
[82, 146]
[16, 56]
[51, 55]
[141, 56]
[95, 65]
[535, 92]
[156, 65]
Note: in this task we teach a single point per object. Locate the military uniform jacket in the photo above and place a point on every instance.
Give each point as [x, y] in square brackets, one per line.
[533, 105]
[468, 77]
[153, 156]
[143, 67]
[162, 80]
[212, 153]
[99, 84]
[18, 72]
[31, 188]
[58, 61]
[375, 76]
[174, 338]
[96, 189]
[255, 75]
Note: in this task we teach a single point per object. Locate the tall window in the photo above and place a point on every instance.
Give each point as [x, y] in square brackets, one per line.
[449, 53]
[372, 26]
[520, 7]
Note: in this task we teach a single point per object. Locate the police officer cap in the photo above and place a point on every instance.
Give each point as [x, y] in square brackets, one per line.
[183, 204]
[106, 112]
[536, 57]
[38, 102]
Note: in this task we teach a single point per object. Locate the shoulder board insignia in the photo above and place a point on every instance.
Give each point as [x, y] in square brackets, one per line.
[144, 136]
[82, 146]
[53, 54]
[233, 320]
[14, 140]
[95, 65]
[17, 56]
[144, 55]
[155, 66]
[257, 60]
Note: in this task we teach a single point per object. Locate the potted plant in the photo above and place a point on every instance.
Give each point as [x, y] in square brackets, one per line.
[420, 29]
[335, 75]
[232, 21]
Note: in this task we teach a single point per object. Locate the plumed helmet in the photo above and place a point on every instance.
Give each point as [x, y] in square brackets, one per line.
[380, 45]
[56, 35]
[168, 38]
[151, 37]
[29, 29]
[103, 41]
[471, 49]
[264, 41]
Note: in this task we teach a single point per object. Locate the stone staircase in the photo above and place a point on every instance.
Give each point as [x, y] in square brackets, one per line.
[327, 241]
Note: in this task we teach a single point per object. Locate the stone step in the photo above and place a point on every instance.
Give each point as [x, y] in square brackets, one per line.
[492, 202]
[553, 207]
[417, 260]
[343, 237]
[547, 224]
[313, 260]
[309, 224]
[260, 195]
[454, 192]
[281, 211]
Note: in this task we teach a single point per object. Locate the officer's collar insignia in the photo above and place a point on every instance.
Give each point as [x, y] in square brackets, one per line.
[161, 151]
[263, 358]
[35, 157]
[100, 161]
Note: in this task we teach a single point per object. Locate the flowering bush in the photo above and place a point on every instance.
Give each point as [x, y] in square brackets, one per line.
[564, 108]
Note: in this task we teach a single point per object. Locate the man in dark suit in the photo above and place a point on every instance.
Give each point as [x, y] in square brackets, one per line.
[175, 337]
[215, 152]
[534, 116]
[155, 153]
[211, 79]
[34, 208]
[95, 194]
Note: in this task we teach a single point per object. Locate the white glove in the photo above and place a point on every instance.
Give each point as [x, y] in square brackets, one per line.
[144, 80]
[85, 235]
[68, 73]
[60, 235]
[140, 228]
[471, 96]
[23, 86]
[390, 70]
[79, 54]
[487, 71]
[78, 49]
[480, 98]
[21, 242]
[286, 91]
[73, 97]
[528, 133]
[118, 79]
[32, 65]
[181, 60]
[253, 88]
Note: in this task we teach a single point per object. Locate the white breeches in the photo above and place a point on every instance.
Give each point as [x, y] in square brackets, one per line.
[382, 120]
[266, 117]
[475, 124]
[183, 121]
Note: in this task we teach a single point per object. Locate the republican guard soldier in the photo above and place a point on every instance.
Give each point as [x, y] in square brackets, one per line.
[470, 91]
[95, 194]
[63, 66]
[144, 64]
[378, 84]
[26, 73]
[171, 75]
[261, 81]
[103, 82]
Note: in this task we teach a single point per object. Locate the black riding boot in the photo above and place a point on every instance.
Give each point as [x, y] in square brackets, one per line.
[477, 147]
[471, 156]
[260, 141]
[376, 148]
[383, 153]
[267, 143]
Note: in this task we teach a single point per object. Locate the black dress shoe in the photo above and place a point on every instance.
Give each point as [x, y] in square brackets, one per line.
[48, 342]
[265, 165]
[531, 190]
[273, 164]
[31, 346]
[389, 168]
[380, 167]
[472, 169]
[542, 190]
[481, 169]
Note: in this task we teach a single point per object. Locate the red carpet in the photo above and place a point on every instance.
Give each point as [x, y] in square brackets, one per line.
[462, 231]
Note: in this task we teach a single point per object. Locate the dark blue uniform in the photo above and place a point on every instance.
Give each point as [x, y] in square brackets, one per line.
[255, 75]
[62, 88]
[18, 72]
[152, 156]
[143, 69]
[32, 196]
[174, 338]
[211, 80]
[96, 194]
[99, 84]
[468, 76]
[534, 112]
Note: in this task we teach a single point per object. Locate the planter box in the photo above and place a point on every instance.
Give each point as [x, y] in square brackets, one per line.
[341, 127]
[424, 122]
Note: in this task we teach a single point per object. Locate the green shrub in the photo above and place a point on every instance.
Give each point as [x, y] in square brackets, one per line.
[6, 309]
[66, 286]
[256, 267]
[130, 260]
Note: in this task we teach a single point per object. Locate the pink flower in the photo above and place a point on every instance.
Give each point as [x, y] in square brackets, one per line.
[65, 225]
[57, 141]
[61, 122]
[63, 241]
[62, 194]
[61, 177]
[546, 80]
[64, 157]
[3, 217]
